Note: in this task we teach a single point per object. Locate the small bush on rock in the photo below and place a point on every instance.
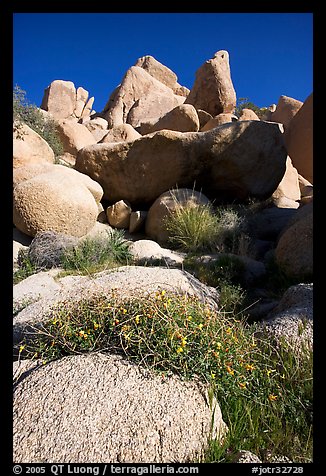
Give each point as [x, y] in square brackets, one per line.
[25, 267]
[24, 112]
[200, 228]
[244, 103]
[48, 247]
[193, 229]
[95, 254]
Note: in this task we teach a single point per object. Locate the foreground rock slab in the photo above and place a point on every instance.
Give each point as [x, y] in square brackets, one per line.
[233, 161]
[127, 281]
[102, 408]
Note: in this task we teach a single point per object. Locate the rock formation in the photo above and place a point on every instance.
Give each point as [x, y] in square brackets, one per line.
[62, 100]
[123, 414]
[238, 159]
[299, 139]
[213, 89]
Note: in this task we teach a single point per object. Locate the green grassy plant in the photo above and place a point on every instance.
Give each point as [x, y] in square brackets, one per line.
[25, 267]
[192, 229]
[96, 254]
[200, 228]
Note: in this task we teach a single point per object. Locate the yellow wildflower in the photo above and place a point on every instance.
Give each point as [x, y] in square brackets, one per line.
[21, 348]
[218, 345]
[229, 370]
[213, 375]
[189, 318]
[179, 349]
[249, 367]
[272, 397]
[253, 342]
[243, 384]
[200, 326]
[184, 342]
[137, 319]
[96, 325]
[269, 371]
[81, 333]
[228, 330]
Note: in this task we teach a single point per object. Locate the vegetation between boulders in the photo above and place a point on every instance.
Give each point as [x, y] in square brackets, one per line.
[88, 256]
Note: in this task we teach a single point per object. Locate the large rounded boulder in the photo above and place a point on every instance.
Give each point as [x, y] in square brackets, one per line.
[60, 199]
[236, 160]
[103, 408]
[294, 250]
[29, 147]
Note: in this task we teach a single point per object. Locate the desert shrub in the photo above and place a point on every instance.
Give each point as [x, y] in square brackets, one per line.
[225, 273]
[202, 228]
[230, 236]
[244, 103]
[25, 267]
[27, 113]
[222, 269]
[277, 280]
[95, 254]
[192, 229]
[47, 248]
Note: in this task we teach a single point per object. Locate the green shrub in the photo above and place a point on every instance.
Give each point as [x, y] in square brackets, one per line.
[192, 229]
[226, 274]
[25, 267]
[277, 281]
[29, 114]
[200, 228]
[95, 254]
[244, 103]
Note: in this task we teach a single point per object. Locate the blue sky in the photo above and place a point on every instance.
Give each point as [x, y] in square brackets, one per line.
[271, 54]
